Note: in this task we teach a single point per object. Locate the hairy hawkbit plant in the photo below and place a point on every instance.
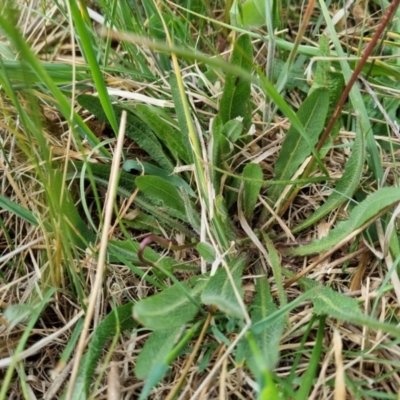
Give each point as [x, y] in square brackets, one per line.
[185, 213]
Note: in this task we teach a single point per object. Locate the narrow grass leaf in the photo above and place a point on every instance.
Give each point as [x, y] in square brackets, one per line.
[60, 74]
[235, 101]
[88, 48]
[18, 210]
[172, 308]
[118, 320]
[345, 185]
[312, 114]
[155, 351]
[361, 214]
[162, 190]
[313, 364]
[171, 138]
[219, 291]
[34, 67]
[251, 189]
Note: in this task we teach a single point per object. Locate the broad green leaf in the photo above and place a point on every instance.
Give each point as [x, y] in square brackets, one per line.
[232, 131]
[337, 305]
[206, 251]
[126, 186]
[18, 210]
[171, 308]
[180, 113]
[135, 130]
[160, 189]
[251, 189]
[328, 302]
[265, 354]
[295, 149]
[160, 368]
[101, 175]
[128, 249]
[219, 291]
[170, 137]
[150, 169]
[322, 72]
[295, 78]
[235, 101]
[155, 351]
[272, 318]
[345, 185]
[118, 320]
[361, 214]
[247, 14]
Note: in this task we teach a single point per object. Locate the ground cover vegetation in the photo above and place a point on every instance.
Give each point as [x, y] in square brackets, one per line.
[199, 199]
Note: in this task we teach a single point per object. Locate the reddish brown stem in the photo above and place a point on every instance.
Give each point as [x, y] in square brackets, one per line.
[385, 21]
[166, 243]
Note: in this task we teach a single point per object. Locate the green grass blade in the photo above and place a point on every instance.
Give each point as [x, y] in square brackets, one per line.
[180, 113]
[86, 38]
[309, 377]
[36, 68]
[18, 210]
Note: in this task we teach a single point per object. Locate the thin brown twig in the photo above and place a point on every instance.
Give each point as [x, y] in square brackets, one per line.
[385, 21]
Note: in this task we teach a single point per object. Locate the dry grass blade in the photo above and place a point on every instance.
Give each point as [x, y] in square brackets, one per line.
[96, 290]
